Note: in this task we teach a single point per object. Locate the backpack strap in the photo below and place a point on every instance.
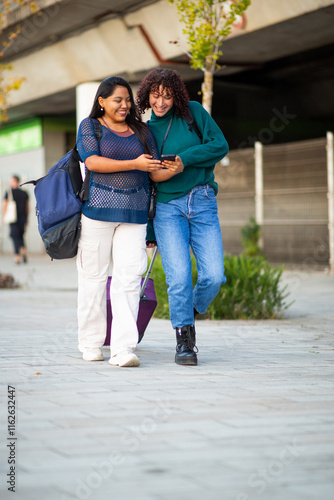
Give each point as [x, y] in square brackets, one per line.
[84, 193]
[97, 129]
[192, 125]
[74, 171]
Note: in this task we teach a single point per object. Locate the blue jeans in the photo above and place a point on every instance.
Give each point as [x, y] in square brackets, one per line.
[190, 221]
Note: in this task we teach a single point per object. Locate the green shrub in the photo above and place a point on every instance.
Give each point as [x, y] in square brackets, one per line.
[252, 290]
[250, 235]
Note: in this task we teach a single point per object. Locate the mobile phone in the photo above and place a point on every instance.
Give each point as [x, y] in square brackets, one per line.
[168, 157]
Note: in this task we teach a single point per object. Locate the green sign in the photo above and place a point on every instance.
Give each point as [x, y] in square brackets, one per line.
[21, 136]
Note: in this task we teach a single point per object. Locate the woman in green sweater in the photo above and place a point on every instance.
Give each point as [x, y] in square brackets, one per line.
[186, 211]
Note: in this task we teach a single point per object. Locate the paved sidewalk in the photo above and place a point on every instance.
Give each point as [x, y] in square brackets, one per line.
[254, 420]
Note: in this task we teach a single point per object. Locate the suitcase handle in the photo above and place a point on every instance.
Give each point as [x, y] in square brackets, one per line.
[148, 274]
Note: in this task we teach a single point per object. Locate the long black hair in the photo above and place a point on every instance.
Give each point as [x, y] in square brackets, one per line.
[133, 118]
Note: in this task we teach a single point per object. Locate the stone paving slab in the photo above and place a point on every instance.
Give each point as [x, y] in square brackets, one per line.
[254, 420]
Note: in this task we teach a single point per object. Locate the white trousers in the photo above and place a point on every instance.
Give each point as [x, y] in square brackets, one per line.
[126, 242]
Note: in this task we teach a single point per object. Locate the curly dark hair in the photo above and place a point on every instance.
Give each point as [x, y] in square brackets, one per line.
[171, 81]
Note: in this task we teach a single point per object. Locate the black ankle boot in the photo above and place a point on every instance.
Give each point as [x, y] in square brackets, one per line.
[186, 349]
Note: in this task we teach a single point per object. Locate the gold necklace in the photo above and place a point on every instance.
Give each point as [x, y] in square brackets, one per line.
[106, 122]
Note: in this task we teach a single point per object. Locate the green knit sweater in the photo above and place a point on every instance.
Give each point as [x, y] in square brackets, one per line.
[199, 159]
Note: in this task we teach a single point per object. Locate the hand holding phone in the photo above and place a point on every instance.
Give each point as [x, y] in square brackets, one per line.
[168, 157]
[173, 163]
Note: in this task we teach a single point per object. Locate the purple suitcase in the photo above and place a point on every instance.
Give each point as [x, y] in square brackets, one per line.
[147, 305]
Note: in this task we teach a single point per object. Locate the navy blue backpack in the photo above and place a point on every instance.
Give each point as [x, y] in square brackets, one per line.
[59, 196]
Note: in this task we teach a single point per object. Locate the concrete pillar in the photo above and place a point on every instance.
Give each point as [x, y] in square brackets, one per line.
[259, 188]
[85, 93]
[330, 195]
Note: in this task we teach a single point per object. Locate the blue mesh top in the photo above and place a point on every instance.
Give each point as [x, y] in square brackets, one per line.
[116, 196]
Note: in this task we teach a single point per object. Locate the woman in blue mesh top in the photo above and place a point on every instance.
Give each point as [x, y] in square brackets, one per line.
[113, 220]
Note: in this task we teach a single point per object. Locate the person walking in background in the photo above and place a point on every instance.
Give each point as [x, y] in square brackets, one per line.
[113, 220]
[17, 228]
[186, 210]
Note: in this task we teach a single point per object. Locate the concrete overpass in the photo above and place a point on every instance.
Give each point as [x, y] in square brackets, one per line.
[71, 42]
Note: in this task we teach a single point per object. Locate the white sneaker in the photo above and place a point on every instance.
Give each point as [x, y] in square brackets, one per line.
[92, 355]
[125, 358]
[81, 349]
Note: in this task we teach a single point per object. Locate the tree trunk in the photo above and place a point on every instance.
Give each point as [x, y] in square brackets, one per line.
[207, 92]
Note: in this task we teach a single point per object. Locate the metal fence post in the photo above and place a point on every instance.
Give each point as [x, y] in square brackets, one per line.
[259, 188]
[330, 195]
